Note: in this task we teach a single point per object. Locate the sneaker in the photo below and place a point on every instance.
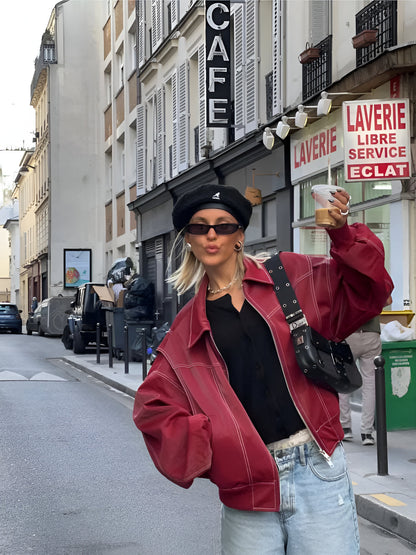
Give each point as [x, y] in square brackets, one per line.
[367, 439]
[347, 434]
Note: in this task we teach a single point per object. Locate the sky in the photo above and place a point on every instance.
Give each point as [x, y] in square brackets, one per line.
[22, 23]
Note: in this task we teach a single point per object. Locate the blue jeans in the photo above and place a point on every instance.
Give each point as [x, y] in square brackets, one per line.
[317, 514]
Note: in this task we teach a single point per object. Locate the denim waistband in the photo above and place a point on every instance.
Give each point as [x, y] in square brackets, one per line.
[301, 437]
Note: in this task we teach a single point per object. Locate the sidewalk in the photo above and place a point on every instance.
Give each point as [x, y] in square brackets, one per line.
[388, 501]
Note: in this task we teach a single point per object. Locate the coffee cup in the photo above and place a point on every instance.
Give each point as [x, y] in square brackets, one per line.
[322, 194]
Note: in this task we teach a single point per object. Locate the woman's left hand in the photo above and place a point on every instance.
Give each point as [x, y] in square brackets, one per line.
[341, 206]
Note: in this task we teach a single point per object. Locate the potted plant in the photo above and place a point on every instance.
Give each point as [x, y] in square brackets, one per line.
[309, 54]
[365, 38]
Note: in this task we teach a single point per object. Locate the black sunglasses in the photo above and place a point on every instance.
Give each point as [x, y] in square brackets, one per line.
[220, 229]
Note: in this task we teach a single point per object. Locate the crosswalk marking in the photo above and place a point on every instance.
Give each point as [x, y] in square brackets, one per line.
[8, 376]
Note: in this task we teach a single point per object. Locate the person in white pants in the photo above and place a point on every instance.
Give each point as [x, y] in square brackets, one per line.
[365, 344]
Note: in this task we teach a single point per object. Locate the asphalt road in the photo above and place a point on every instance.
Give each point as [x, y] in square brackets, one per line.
[75, 476]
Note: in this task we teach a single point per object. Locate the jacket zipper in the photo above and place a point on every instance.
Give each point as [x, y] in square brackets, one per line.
[322, 451]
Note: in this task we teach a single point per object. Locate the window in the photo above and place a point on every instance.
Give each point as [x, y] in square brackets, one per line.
[48, 53]
[314, 240]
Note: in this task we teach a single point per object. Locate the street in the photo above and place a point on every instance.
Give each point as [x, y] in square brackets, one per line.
[76, 477]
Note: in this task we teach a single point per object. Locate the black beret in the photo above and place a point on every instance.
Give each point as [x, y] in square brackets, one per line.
[211, 196]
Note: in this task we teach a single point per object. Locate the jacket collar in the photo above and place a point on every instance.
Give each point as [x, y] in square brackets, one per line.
[199, 322]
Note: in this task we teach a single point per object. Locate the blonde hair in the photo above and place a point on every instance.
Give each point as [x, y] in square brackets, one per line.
[190, 271]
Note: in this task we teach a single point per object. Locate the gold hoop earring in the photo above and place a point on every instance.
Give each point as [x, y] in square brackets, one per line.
[238, 246]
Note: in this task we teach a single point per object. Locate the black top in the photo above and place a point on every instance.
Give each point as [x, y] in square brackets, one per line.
[246, 344]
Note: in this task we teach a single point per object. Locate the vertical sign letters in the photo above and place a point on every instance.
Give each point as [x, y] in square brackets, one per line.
[376, 139]
[217, 69]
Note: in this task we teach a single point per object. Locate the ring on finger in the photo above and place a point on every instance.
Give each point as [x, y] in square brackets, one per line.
[344, 213]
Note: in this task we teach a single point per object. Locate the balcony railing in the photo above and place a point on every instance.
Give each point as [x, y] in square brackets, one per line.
[317, 74]
[380, 15]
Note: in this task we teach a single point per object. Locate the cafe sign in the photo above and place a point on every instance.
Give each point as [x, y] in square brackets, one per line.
[376, 139]
[217, 64]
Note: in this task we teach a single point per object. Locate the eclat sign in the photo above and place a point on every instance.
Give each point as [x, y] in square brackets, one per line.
[217, 66]
[376, 139]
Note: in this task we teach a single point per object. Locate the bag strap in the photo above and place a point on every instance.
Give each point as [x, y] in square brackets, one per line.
[285, 293]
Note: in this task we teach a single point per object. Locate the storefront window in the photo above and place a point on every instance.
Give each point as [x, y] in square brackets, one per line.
[360, 191]
[314, 240]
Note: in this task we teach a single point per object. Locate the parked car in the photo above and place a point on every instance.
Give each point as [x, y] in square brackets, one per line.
[50, 316]
[81, 327]
[10, 319]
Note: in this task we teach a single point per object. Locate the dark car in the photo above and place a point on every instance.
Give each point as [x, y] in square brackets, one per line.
[10, 319]
[33, 321]
[81, 327]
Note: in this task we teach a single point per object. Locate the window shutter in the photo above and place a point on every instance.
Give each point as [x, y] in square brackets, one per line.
[157, 11]
[319, 18]
[141, 30]
[175, 127]
[141, 151]
[202, 100]
[160, 134]
[183, 117]
[239, 72]
[174, 13]
[251, 65]
[277, 58]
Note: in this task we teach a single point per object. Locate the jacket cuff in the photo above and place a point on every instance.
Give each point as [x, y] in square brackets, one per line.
[342, 237]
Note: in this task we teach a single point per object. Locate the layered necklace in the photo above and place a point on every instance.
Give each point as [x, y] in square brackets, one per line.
[221, 289]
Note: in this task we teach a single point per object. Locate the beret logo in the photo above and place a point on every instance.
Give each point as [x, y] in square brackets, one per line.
[216, 196]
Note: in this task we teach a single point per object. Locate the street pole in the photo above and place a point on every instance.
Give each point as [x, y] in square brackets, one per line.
[382, 463]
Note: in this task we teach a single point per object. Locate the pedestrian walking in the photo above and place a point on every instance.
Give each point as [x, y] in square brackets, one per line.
[34, 304]
[225, 398]
[365, 345]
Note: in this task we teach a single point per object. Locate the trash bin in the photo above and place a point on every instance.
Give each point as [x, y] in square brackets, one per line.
[400, 379]
[115, 317]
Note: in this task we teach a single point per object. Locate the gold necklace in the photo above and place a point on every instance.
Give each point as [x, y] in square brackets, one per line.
[221, 289]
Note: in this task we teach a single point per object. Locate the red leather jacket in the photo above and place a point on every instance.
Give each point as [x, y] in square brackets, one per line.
[191, 419]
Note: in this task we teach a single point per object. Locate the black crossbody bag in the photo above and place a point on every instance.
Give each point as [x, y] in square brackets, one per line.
[325, 362]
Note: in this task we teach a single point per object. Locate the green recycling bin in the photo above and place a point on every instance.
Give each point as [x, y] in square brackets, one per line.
[400, 378]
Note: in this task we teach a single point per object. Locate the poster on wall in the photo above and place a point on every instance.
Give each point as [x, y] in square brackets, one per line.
[376, 139]
[77, 267]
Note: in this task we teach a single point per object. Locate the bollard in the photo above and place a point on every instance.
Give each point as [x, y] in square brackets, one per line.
[110, 344]
[126, 350]
[144, 352]
[98, 342]
[382, 463]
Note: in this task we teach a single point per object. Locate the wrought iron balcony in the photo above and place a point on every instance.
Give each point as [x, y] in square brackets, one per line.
[317, 73]
[380, 15]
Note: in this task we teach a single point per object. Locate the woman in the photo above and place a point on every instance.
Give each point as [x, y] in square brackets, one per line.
[225, 398]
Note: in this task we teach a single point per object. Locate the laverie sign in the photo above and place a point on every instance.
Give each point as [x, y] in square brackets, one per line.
[376, 139]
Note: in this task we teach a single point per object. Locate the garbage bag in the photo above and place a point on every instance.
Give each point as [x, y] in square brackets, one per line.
[120, 270]
[394, 331]
[139, 300]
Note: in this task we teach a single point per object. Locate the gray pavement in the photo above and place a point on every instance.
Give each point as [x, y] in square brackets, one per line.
[388, 501]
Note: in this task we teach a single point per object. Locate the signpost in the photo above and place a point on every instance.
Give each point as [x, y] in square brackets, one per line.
[377, 140]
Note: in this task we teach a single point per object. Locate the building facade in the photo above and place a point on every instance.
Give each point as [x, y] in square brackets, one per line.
[281, 55]
[119, 110]
[61, 183]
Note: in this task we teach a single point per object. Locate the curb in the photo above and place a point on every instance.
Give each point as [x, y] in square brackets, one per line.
[377, 513]
[106, 379]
